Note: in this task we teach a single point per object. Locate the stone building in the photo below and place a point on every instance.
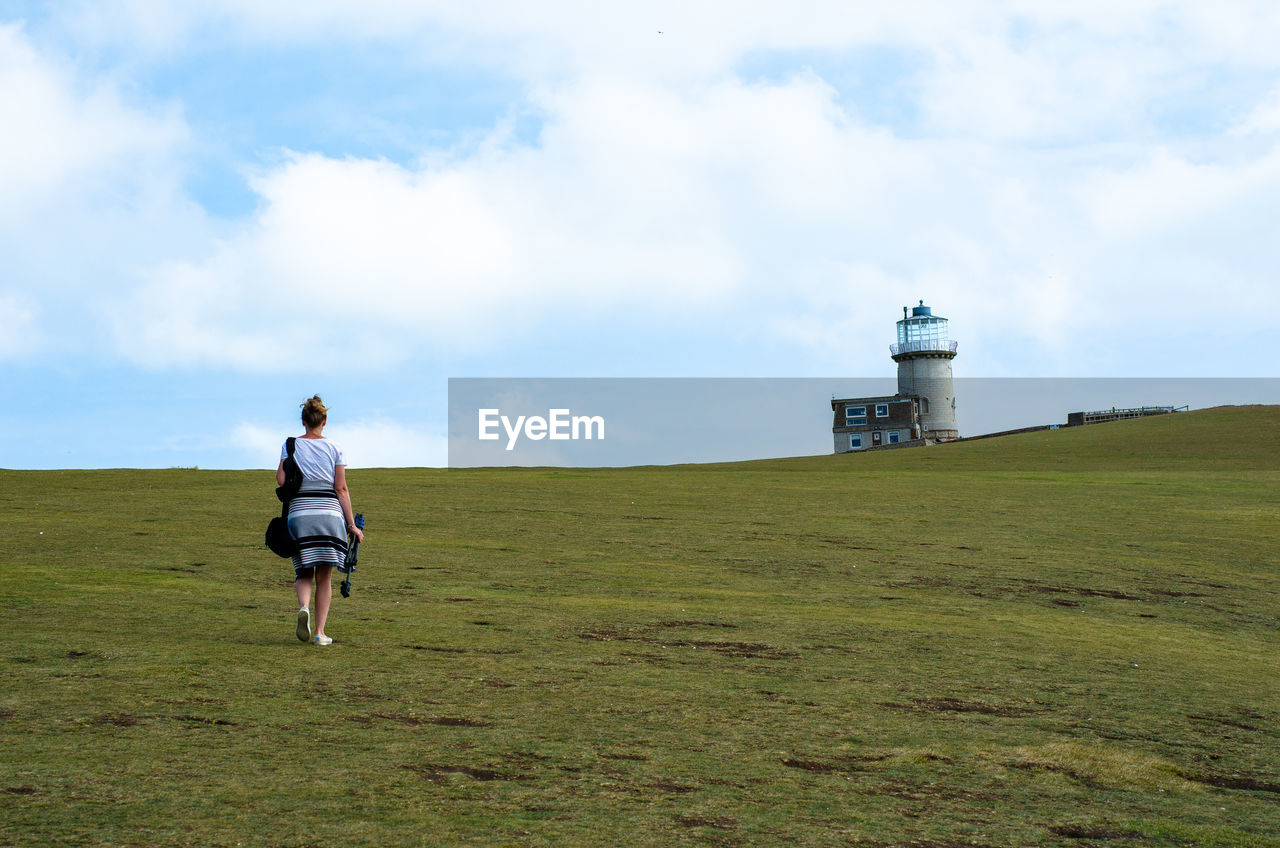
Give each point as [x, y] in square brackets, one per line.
[871, 422]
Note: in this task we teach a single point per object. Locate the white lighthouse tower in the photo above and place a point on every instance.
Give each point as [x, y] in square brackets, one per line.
[924, 352]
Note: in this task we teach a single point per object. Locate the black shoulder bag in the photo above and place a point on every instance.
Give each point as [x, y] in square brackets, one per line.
[278, 538]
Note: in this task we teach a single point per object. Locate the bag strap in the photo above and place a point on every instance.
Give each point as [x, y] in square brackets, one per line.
[283, 492]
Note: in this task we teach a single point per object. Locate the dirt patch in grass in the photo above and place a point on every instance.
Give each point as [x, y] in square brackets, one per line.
[758, 650]
[407, 719]
[458, 721]
[816, 766]
[917, 843]
[635, 758]
[844, 543]
[909, 791]
[5, 715]
[1084, 591]
[777, 698]
[19, 790]
[439, 649]
[1244, 782]
[440, 773]
[603, 635]
[1228, 721]
[691, 623]
[744, 650]
[844, 763]
[1048, 765]
[133, 720]
[193, 719]
[1092, 831]
[410, 720]
[955, 705]
[723, 822]
[1173, 593]
[120, 720]
[664, 785]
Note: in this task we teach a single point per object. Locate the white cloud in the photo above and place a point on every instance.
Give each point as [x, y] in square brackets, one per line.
[63, 135]
[1033, 180]
[638, 200]
[366, 443]
[89, 191]
[1166, 190]
[19, 335]
[1008, 68]
[632, 195]
[1263, 118]
[1049, 89]
[386, 444]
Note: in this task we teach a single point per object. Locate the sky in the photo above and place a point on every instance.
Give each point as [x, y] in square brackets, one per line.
[210, 211]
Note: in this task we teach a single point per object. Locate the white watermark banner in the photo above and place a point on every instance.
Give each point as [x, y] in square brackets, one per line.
[596, 422]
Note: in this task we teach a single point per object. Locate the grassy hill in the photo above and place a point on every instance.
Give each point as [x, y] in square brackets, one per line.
[1220, 439]
[1059, 638]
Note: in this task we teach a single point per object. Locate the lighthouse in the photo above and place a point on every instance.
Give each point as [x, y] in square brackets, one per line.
[924, 351]
[923, 412]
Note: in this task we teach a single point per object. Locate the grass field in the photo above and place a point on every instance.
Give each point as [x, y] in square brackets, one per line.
[1060, 638]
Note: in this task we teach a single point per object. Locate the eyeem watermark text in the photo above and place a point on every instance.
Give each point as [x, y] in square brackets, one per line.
[559, 425]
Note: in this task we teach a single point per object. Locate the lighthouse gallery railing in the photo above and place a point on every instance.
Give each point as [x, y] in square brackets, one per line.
[928, 344]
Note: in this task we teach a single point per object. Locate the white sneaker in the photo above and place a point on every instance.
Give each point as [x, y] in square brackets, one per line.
[304, 624]
[321, 640]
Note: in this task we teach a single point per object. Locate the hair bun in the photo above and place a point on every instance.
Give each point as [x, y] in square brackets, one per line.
[314, 412]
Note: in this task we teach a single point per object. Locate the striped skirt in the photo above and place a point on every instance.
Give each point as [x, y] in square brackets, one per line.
[318, 529]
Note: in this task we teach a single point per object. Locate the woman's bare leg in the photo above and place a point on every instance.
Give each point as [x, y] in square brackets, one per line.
[303, 585]
[324, 594]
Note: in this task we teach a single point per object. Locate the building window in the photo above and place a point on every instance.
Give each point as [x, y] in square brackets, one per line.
[924, 405]
[855, 416]
[893, 437]
[855, 441]
[882, 410]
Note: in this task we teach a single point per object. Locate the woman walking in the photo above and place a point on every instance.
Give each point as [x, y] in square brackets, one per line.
[320, 518]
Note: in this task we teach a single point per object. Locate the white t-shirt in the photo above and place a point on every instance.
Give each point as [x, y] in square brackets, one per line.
[316, 458]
